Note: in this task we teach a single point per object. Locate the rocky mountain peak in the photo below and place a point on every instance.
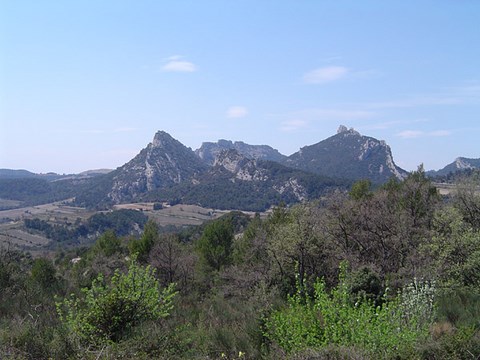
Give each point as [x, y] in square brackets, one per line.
[342, 129]
[166, 168]
[162, 138]
[459, 164]
[231, 160]
[350, 155]
[241, 167]
[227, 144]
[209, 151]
[163, 163]
[463, 163]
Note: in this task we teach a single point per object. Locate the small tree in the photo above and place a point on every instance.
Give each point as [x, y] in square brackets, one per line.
[108, 243]
[467, 200]
[361, 190]
[43, 273]
[141, 247]
[106, 311]
[215, 245]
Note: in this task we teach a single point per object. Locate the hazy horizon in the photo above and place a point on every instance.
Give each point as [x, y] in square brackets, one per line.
[85, 85]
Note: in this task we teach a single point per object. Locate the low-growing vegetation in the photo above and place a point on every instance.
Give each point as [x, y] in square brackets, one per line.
[374, 273]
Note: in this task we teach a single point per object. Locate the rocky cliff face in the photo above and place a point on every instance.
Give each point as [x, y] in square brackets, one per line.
[348, 155]
[460, 163]
[166, 170]
[209, 151]
[164, 162]
[284, 181]
[240, 166]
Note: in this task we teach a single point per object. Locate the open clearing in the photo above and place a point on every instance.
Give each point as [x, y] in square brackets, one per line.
[13, 232]
[180, 215]
[447, 189]
[9, 204]
[46, 211]
[177, 215]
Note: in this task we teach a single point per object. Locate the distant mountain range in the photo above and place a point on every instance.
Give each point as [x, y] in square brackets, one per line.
[209, 151]
[230, 174]
[168, 171]
[225, 174]
[25, 174]
[460, 164]
[348, 155]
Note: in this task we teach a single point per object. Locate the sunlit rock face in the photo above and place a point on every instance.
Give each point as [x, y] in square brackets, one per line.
[348, 154]
[164, 162]
[210, 150]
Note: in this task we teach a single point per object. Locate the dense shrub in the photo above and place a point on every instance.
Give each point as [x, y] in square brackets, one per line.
[332, 319]
[106, 311]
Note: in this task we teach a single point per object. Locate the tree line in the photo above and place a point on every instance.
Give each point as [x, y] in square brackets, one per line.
[390, 272]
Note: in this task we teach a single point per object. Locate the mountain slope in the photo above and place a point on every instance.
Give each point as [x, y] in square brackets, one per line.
[166, 170]
[209, 151]
[459, 164]
[25, 174]
[16, 174]
[163, 163]
[237, 182]
[348, 155]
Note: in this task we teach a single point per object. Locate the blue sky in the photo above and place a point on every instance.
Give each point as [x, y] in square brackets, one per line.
[86, 84]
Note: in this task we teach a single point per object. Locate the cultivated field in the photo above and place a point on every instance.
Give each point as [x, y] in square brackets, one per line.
[445, 189]
[9, 204]
[13, 232]
[177, 215]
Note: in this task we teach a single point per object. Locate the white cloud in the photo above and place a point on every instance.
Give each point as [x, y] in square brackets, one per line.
[124, 129]
[382, 125]
[389, 124]
[292, 125]
[439, 133]
[92, 131]
[177, 64]
[174, 57]
[325, 74]
[412, 134]
[332, 114]
[331, 59]
[415, 102]
[469, 93]
[235, 112]
[340, 114]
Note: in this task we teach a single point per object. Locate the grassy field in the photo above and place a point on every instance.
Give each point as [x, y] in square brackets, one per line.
[180, 215]
[445, 189]
[9, 204]
[13, 232]
[177, 215]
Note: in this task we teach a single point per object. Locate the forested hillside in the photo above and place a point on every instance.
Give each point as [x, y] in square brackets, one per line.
[385, 273]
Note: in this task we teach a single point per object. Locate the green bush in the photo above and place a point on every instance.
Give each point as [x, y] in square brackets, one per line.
[142, 247]
[106, 311]
[332, 319]
[460, 306]
[108, 243]
[215, 245]
[43, 273]
[453, 343]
